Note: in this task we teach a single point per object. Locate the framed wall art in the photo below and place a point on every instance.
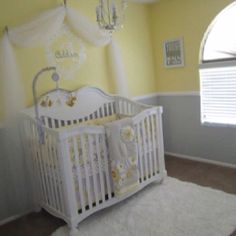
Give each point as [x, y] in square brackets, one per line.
[173, 53]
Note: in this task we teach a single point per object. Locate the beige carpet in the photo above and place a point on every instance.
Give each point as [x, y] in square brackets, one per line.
[174, 208]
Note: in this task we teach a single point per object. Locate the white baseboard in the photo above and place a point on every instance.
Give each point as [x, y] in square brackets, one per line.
[15, 217]
[200, 159]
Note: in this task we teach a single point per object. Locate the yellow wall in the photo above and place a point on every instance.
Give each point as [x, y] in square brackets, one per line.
[181, 18]
[141, 44]
[134, 41]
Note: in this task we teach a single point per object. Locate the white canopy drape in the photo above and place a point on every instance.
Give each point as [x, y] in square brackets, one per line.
[13, 95]
[37, 33]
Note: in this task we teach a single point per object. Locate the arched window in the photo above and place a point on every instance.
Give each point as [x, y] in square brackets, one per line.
[218, 69]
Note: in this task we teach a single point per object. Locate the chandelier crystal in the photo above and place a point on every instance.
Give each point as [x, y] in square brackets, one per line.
[110, 14]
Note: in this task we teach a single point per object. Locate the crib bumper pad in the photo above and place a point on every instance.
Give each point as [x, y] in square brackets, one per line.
[123, 154]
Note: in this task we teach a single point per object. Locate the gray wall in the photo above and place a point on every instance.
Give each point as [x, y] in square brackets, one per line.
[184, 133]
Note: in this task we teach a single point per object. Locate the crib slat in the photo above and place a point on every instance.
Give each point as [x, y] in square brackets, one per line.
[53, 124]
[140, 152]
[154, 143]
[150, 151]
[125, 107]
[34, 159]
[144, 148]
[106, 111]
[109, 109]
[101, 177]
[37, 157]
[68, 185]
[87, 180]
[122, 106]
[42, 171]
[57, 175]
[116, 106]
[95, 182]
[112, 108]
[79, 171]
[46, 122]
[52, 173]
[129, 109]
[59, 124]
[43, 180]
[160, 145]
[102, 111]
[121, 110]
[107, 173]
[47, 170]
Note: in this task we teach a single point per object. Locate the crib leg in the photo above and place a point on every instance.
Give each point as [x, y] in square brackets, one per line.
[164, 176]
[73, 230]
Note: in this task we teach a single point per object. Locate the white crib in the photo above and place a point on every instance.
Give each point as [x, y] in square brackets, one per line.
[72, 188]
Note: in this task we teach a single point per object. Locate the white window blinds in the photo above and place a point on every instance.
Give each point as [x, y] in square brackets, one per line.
[218, 93]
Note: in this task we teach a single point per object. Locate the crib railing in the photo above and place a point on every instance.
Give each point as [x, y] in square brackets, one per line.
[120, 106]
[71, 168]
[128, 107]
[148, 129]
[45, 168]
[88, 185]
[107, 109]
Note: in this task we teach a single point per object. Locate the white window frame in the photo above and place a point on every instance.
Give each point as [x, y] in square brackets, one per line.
[205, 98]
[217, 78]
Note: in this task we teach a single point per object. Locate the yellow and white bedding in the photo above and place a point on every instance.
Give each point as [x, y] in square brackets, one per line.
[124, 176]
[123, 155]
[84, 160]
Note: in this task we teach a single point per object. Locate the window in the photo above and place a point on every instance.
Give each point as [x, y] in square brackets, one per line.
[218, 70]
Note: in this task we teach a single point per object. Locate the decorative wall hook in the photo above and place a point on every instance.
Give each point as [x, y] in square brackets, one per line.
[65, 3]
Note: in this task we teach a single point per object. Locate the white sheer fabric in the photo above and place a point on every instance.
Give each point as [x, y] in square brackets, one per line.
[38, 31]
[117, 68]
[85, 29]
[10, 80]
[13, 174]
[46, 24]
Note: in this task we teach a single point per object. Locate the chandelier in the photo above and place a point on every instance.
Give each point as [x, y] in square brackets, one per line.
[110, 15]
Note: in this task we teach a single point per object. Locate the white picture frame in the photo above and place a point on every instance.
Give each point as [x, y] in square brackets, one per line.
[173, 53]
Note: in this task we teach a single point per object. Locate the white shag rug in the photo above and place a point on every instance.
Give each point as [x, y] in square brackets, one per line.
[173, 208]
